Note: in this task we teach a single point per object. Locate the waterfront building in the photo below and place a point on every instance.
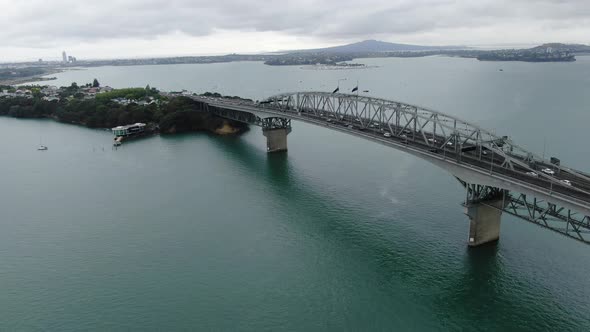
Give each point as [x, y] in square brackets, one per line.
[64, 56]
[129, 130]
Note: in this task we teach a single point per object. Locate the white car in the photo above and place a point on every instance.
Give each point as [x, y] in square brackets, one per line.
[532, 174]
[548, 171]
[567, 182]
[387, 135]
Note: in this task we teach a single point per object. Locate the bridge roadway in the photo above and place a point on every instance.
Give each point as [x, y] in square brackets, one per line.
[477, 166]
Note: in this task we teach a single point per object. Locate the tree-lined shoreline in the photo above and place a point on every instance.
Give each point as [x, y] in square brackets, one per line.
[93, 107]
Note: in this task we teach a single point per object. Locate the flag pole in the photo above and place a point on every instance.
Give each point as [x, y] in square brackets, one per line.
[338, 87]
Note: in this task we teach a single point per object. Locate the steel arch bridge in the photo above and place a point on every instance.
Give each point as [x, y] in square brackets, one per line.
[432, 128]
[499, 175]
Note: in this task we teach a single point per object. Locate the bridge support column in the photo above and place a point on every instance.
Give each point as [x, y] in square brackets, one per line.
[484, 221]
[484, 205]
[276, 139]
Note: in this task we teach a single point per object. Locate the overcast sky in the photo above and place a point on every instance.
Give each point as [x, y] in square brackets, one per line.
[32, 29]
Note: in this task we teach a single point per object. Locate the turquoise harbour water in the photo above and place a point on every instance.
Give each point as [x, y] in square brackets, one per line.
[198, 232]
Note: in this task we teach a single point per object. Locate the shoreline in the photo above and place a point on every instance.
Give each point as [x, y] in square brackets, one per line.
[107, 108]
[225, 130]
[56, 70]
[35, 78]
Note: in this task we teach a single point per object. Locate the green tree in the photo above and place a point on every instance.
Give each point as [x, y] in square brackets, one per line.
[95, 83]
[36, 92]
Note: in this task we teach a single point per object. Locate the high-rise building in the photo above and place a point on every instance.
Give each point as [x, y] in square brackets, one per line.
[64, 57]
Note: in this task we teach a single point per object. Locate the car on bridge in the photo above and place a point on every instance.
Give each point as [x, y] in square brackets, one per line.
[533, 174]
[387, 135]
[567, 182]
[548, 171]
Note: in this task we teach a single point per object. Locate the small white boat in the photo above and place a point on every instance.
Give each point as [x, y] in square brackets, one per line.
[42, 148]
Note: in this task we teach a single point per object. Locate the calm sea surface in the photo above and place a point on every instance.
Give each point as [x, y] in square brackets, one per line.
[197, 232]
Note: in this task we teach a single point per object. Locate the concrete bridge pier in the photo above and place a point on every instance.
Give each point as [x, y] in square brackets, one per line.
[484, 207]
[484, 221]
[275, 130]
[276, 139]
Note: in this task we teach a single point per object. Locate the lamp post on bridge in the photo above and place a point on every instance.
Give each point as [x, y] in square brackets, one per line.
[492, 162]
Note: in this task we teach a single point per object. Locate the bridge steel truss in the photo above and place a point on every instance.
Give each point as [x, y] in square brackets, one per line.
[443, 132]
[433, 128]
[539, 212]
[250, 118]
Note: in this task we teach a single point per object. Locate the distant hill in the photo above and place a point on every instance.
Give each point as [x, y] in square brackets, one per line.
[573, 48]
[377, 46]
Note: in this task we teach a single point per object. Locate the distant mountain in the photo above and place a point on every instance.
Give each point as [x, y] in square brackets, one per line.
[376, 46]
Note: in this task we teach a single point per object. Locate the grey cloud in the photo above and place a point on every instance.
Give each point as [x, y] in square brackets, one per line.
[41, 23]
